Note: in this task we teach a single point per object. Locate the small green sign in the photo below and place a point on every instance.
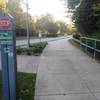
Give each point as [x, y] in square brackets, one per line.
[5, 37]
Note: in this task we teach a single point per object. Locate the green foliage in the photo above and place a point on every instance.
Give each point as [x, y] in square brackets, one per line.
[95, 35]
[72, 3]
[52, 35]
[46, 23]
[86, 15]
[14, 7]
[40, 23]
[2, 6]
[63, 27]
[26, 86]
[88, 42]
[32, 50]
[18, 15]
[76, 36]
[91, 43]
[52, 27]
[0, 86]
[84, 18]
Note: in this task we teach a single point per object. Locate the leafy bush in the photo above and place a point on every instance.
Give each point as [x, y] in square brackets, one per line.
[76, 36]
[52, 35]
[36, 48]
[91, 43]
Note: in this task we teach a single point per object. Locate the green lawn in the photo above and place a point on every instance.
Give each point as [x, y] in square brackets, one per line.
[0, 87]
[25, 86]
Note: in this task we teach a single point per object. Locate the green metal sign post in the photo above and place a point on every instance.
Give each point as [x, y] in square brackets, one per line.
[8, 57]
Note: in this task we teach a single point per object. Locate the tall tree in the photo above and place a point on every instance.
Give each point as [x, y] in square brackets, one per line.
[2, 5]
[52, 27]
[63, 27]
[43, 20]
[72, 3]
[14, 7]
[86, 16]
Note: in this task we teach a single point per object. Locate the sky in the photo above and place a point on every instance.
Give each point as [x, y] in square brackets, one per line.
[54, 7]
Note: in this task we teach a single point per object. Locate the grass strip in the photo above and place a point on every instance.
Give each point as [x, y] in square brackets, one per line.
[89, 51]
[25, 86]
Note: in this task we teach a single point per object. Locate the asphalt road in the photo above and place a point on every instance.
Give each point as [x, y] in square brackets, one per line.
[24, 42]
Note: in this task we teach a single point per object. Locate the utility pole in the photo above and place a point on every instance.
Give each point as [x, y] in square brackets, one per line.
[27, 24]
[40, 36]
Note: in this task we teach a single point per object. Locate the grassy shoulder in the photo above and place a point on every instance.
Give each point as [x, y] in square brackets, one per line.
[0, 86]
[95, 36]
[34, 49]
[89, 51]
[25, 86]
[74, 43]
[77, 45]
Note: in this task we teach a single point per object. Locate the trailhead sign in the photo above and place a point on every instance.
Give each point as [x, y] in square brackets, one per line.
[8, 56]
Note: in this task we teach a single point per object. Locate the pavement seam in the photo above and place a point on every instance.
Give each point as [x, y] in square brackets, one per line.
[89, 89]
[77, 93]
[84, 80]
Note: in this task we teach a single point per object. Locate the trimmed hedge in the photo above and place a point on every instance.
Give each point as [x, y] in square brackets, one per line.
[34, 49]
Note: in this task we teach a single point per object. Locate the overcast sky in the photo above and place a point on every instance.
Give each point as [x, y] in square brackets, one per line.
[54, 7]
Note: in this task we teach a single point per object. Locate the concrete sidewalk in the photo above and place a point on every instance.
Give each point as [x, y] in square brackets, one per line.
[66, 73]
[28, 64]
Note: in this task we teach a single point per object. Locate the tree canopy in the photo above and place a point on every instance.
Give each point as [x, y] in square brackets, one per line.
[45, 23]
[72, 3]
[14, 7]
[86, 15]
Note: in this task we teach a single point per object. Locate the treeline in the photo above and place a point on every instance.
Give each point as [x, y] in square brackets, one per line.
[45, 23]
[51, 27]
[86, 16]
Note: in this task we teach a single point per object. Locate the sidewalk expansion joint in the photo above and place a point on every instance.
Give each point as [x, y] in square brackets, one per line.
[64, 94]
[93, 93]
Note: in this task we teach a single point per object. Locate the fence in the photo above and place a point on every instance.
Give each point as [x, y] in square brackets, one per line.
[84, 41]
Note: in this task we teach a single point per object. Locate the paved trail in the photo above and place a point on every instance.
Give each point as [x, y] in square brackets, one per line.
[66, 73]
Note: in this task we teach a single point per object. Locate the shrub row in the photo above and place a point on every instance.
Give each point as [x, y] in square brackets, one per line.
[36, 48]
